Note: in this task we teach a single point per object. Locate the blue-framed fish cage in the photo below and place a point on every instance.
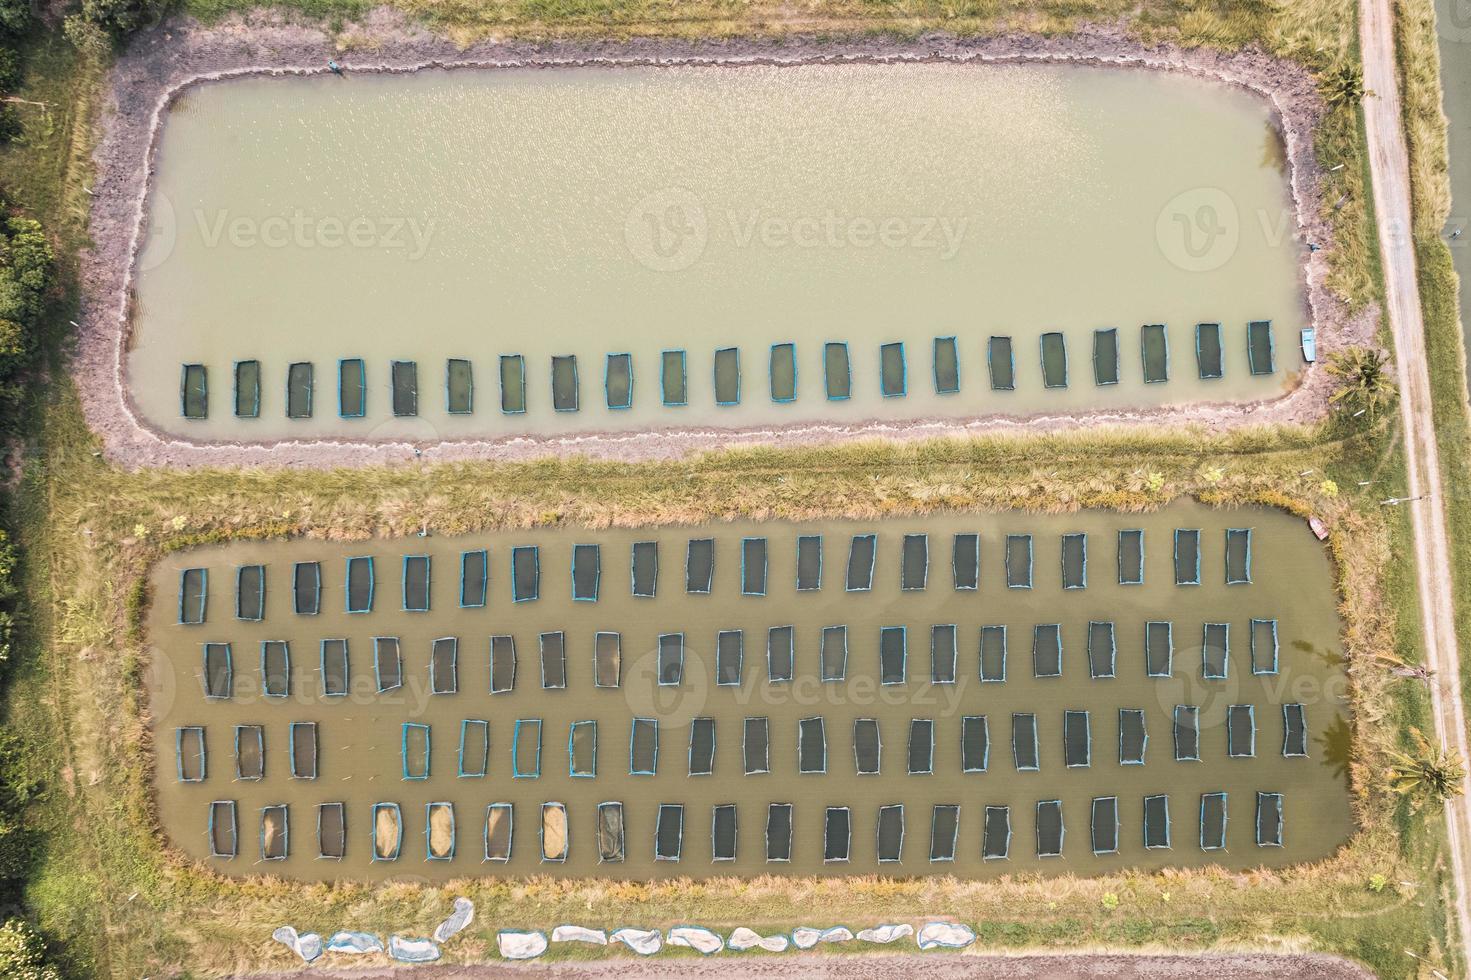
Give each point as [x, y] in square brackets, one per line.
[1267, 646]
[513, 384]
[779, 844]
[889, 812]
[837, 369]
[806, 728]
[1214, 815]
[250, 593]
[411, 565]
[946, 367]
[587, 563]
[474, 578]
[403, 383]
[965, 562]
[1054, 362]
[498, 816]
[893, 370]
[1132, 721]
[666, 849]
[700, 758]
[1047, 810]
[474, 741]
[837, 835]
[566, 397]
[944, 832]
[867, 735]
[781, 654]
[1209, 363]
[1003, 375]
[728, 359]
[339, 817]
[996, 833]
[860, 568]
[502, 663]
[1187, 732]
[699, 552]
[749, 762]
[417, 730]
[921, 759]
[783, 363]
[993, 654]
[444, 665]
[1134, 575]
[724, 832]
[300, 375]
[809, 579]
[944, 653]
[753, 566]
[975, 739]
[1187, 564]
[1241, 576]
[388, 850]
[219, 671]
[298, 733]
[643, 581]
[1103, 824]
[730, 656]
[1215, 651]
[357, 566]
[1241, 744]
[430, 854]
[893, 645]
[1158, 373]
[269, 687]
[1159, 648]
[1269, 820]
[1294, 730]
[386, 680]
[1023, 741]
[527, 731]
[256, 734]
[352, 388]
[221, 813]
[914, 562]
[247, 395]
[1103, 649]
[189, 744]
[459, 399]
[670, 659]
[1106, 356]
[1157, 829]
[335, 667]
[618, 381]
[1074, 577]
[607, 659]
[193, 596]
[673, 378]
[1077, 751]
[651, 727]
[1261, 347]
[1016, 576]
[283, 812]
[194, 391]
[306, 588]
[591, 769]
[525, 580]
[1047, 650]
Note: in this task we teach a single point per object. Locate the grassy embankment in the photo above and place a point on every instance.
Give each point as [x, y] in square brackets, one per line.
[125, 910]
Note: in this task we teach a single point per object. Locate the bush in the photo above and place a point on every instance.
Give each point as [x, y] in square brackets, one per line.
[15, 18]
[9, 70]
[120, 17]
[23, 954]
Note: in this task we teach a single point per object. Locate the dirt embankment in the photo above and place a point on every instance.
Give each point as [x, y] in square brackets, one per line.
[165, 61]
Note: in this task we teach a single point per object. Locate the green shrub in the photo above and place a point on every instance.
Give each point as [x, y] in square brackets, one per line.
[23, 953]
[10, 73]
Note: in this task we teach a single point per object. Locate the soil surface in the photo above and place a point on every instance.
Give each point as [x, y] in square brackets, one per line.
[1209, 966]
[162, 62]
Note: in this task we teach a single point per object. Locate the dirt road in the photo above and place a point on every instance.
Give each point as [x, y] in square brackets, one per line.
[1389, 163]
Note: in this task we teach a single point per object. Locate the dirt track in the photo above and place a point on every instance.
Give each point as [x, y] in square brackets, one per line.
[1390, 166]
[901, 967]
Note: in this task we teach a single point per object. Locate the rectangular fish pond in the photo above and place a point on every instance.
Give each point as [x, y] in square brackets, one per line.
[960, 694]
[482, 254]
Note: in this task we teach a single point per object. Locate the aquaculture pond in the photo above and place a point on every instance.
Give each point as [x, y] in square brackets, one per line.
[497, 253]
[966, 694]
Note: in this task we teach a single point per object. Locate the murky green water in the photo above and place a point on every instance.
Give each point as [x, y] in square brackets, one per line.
[722, 212]
[1453, 25]
[365, 750]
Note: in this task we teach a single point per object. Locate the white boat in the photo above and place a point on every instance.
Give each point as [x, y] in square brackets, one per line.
[1309, 345]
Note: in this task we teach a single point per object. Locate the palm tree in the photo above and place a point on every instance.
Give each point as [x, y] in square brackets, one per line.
[1431, 775]
[1343, 86]
[1366, 386]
